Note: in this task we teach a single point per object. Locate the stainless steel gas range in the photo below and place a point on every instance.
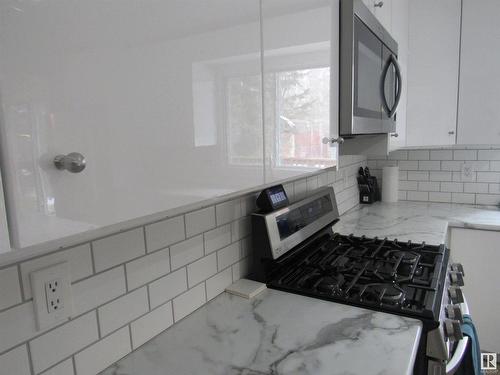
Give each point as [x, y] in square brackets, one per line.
[298, 251]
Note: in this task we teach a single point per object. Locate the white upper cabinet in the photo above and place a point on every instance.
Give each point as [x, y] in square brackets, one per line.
[434, 39]
[479, 102]
[301, 55]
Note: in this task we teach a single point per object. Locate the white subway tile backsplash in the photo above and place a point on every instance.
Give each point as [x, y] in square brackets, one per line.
[202, 269]
[451, 165]
[493, 189]
[398, 155]
[165, 233]
[465, 154]
[15, 362]
[322, 179]
[104, 353]
[228, 211]
[228, 256]
[189, 301]
[403, 175]
[401, 195]
[418, 155]
[417, 196]
[123, 310]
[55, 345]
[10, 290]
[168, 287]
[439, 197]
[119, 248]
[63, 368]
[463, 198]
[408, 165]
[441, 155]
[241, 269]
[479, 165]
[99, 289]
[79, 259]
[312, 183]
[147, 268]
[439, 176]
[495, 166]
[432, 165]
[417, 176]
[200, 221]
[428, 186]
[493, 177]
[240, 228]
[217, 238]
[186, 252]
[17, 325]
[452, 187]
[487, 199]
[300, 189]
[218, 283]
[408, 185]
[488, 155]
[473, 187]
[151, 324]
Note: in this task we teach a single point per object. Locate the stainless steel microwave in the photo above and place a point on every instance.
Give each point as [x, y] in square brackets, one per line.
[370, 77]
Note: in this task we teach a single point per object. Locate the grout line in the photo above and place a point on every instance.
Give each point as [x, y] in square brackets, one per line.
[91, 245]
[30, 359]
[130, 336]
[74, 363]
[21, 284]
[98, 320]
[145, 239]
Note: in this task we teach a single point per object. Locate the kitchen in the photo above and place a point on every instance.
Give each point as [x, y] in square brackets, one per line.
[150, 151]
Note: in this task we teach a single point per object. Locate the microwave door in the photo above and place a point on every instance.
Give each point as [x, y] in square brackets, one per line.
[367, 101]
[390, 89]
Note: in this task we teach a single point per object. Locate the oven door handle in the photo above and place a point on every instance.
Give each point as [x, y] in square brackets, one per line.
[399, 83]
[455, 361]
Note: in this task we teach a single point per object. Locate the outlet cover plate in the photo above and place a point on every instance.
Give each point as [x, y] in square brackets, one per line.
[42, 297]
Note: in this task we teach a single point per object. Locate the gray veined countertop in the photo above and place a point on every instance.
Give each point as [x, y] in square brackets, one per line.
[278, 333]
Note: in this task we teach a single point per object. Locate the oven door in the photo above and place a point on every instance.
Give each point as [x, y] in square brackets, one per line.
[458, 354]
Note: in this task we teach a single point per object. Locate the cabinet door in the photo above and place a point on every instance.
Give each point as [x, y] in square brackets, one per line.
[434, 39]
[479, 252]
[478, 108]
[300, 43]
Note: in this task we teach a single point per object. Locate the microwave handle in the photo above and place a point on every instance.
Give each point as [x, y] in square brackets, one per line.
[399, 81]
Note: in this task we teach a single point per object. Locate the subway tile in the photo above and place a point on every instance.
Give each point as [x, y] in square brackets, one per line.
[473, 187]
[189, 301]
[322, 179]
[439, 197]
[386, 163]
[439, 176]
[418, 176]
[441, 155]
[103, 353]
[99, 289]
[493, 189]
[10, 290]
[332, 177]
[463, 198]
[218, 283]
[493, 177]
[249, 205]
[408, 185]
[217, 238]
[63, 368]
[187, 251]
[495, 166]
[55, 345]
[168, 287]
[401, 195]
[240, 228]
[452, 187]
[479, 165]
[398, 155]
[312, 183]
[147, 268]
[202, 269]
[428, 186]
[300, 189]
[200, 221]
[117, 249]
[289, 190]
[79, 259]
[245, 247]
[165, 233]
[432, 165]
[465, 154]
[17, 324]
[418, 155]
[488, 199]
[151, 324]
[241, 269]
[417, 196]
[408, 165]
[488, 155]
[403, 175]
[15, 362]
[123, 310]
[228, 256]
[451, 165]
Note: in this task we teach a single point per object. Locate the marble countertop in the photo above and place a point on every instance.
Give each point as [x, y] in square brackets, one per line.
[278, 333]
[416, 221]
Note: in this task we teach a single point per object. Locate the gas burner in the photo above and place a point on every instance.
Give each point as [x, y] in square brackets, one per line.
[390, 294]
[330, 284]
[406, 256]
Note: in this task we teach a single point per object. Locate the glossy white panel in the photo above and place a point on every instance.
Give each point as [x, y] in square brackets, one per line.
[300, 42]
[162, 97]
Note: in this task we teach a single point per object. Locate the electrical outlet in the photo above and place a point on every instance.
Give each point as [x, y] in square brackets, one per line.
[467, 173]
[52, 297]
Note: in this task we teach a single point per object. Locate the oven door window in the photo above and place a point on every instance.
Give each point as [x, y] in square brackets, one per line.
[367, 72]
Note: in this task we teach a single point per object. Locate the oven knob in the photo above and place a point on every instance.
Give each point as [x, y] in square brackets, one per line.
[458, 268]
[456, 278]
[456, 294]
[454, 312]
[453, 330]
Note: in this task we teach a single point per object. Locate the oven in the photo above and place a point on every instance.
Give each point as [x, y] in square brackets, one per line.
[370, 83]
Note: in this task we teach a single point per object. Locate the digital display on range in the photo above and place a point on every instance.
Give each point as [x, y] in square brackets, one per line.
[298, 218]
[277, 198]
